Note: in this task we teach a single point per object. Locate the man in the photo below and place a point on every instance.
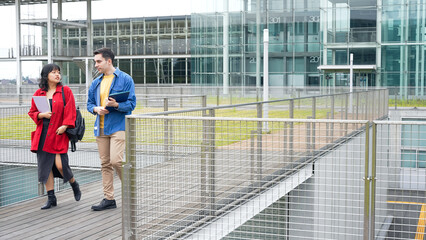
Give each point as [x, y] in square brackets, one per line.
[110, 120]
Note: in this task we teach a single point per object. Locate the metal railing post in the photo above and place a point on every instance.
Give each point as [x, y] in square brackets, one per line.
[259, 151]
[167, 142]
[396, 96]
[308, 136]
[291, 131]
[366, 105]
[386, 106]
[332, 117]
[373, 180]
[20, 97]
[298, 96]
[230, 96]
[285, 149]
[203, 164]
[181, 100]
[257, 94]
[204, 101]
[217, 97]
[212, 164]
[166, 104]
[40, 189]
[357, 105]
[146, 95]
[366, 182]
[259, 142]
[327, 128]
[379, 106]
[252, 154]
[259, 108]
[314, 107]
[346, 112]
[342, 105]
[166, 133]
[129, 183]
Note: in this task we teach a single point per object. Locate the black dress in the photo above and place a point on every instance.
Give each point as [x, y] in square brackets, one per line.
[46, 161]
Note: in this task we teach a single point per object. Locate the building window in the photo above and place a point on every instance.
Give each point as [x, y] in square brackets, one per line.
[413, 144]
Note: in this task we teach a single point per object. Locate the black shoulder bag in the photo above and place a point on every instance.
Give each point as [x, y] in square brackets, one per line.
[75, 134]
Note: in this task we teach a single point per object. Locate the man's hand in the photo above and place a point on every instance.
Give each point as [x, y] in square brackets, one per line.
[110, 102]
[100, 111]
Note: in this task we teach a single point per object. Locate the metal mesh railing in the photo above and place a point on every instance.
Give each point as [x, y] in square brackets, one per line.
[18, 166]
[212, 177]
[215, 95]
[228, 178]
[399, 178]
[368, 105]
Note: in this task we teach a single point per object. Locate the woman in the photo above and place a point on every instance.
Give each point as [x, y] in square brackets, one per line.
[49, 140]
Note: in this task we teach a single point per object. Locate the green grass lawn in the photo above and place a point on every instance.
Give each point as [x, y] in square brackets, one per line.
[408, 103]
[190, 132]
[19, 127]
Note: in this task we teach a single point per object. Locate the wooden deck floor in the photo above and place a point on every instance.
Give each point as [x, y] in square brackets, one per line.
[68, 220]
[75, 220]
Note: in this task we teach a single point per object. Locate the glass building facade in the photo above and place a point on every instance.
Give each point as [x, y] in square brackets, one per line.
[308, 35]
[154, 50]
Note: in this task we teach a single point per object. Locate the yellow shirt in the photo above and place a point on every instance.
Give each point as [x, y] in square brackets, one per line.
[104, 93]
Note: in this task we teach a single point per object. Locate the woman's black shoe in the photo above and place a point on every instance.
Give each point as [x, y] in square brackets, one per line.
[51, 200]
[76, 189]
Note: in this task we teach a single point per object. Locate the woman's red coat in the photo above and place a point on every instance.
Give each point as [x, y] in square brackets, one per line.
[60, 116]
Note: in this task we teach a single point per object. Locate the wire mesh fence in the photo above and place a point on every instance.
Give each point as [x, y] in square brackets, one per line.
[18, 165]
[215, 96]
[398, 172]
[16, 127]
[367, 105]
[228, 178]
[212, 178]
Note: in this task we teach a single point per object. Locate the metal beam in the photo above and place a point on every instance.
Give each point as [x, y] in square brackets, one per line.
[238, 216]
[49, 32]
[18, 46]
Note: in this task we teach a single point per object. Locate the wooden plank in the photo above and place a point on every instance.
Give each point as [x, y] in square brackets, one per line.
[68, 220]
[168, 193]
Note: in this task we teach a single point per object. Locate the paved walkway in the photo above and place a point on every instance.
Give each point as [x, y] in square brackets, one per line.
[68, 220]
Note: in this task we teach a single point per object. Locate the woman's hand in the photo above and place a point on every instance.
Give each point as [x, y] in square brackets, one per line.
[44, 115]
[61, 129]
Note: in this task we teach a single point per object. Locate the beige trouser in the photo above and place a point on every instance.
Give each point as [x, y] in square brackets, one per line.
[111, 152]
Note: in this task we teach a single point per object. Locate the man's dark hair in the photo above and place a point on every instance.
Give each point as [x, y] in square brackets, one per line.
[43, 82]
[106, 53]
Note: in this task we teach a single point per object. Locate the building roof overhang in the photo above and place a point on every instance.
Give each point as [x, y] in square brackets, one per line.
[346, 68]
[29, 2]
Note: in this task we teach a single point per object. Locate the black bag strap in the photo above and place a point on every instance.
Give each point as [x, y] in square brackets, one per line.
[73, 146]
[63, 96]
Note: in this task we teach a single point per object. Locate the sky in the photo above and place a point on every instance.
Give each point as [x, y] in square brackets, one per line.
[100, 10]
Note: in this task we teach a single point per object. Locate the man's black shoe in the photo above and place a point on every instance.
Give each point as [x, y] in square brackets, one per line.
[105, 204]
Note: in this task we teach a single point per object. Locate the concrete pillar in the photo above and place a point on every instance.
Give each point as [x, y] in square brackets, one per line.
[18, 47]
[265, 76]
[258, 56]
[60, 31]
[226, 47]
[89, 53]
[49, 32]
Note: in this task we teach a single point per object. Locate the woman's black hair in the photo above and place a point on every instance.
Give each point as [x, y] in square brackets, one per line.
[43, 82]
